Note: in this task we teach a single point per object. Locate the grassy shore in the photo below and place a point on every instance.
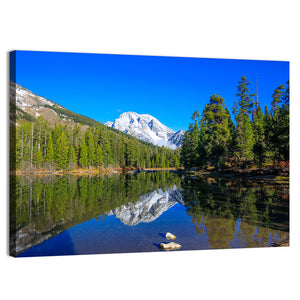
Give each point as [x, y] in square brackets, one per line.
[234, 173]
[89, 171]
[253, 173]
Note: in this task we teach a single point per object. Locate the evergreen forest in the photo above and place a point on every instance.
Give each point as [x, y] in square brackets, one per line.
[66, 147]
[247, 137]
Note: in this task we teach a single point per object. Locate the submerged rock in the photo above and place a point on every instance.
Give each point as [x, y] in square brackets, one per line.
[170, 236]
[170, 246]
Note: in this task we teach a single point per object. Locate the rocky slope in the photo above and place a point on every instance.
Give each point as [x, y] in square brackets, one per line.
[27, 105]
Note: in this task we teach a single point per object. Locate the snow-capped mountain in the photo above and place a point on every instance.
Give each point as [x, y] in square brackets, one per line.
[147, 128]
[149, 207]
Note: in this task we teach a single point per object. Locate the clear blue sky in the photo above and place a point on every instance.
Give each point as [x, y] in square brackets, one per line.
[102, 86]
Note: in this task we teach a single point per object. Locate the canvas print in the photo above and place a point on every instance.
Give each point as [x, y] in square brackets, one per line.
[131, 153]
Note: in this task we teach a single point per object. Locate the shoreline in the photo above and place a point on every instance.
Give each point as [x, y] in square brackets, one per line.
[92, 171]
[236, 174]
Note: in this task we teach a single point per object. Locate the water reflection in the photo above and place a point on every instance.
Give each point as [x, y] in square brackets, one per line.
[46, 206]
[256, 202]
[204, 214]
[149, 206]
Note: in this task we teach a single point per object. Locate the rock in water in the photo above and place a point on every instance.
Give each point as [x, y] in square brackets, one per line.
[170, 236]
[170, 246]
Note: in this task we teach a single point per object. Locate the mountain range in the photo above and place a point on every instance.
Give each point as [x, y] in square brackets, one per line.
[145, 127]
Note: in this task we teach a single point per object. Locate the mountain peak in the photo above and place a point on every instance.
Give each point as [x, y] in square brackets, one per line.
[147, 128]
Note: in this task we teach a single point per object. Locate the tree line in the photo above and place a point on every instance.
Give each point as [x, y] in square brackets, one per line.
[66, 147]
[251, 136]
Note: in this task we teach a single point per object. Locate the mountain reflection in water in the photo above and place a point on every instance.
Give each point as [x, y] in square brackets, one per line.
[59, 215]
[149, 206]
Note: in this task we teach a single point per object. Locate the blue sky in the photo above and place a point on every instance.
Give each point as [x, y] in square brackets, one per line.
[102, 86]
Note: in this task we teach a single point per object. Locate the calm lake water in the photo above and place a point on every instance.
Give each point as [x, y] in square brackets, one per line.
[66, 215]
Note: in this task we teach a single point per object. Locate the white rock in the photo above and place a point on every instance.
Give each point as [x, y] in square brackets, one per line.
[170, 246]
[170, 236]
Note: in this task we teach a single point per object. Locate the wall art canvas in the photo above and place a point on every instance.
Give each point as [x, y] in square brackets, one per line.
[132, 153]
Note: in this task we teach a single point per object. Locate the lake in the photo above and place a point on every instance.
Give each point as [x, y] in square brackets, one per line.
[123, 213]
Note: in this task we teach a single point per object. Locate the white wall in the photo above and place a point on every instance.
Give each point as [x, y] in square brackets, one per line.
[221, 29]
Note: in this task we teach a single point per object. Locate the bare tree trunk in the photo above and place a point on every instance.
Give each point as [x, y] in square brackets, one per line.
[30, 199]
[39, 139]
[22, 144]
[45, 143]
[31, 150]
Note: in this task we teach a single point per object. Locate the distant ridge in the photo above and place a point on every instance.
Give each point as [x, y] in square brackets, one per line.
[29, 106]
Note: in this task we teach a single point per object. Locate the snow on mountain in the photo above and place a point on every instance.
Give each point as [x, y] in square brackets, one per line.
[24, 98]
[34, 105]
[147, 128]
[149, 207]
[177, 138]
[28, 103]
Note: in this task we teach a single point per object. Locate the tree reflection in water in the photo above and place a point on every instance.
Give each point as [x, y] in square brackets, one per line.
[226, 213]
[237, 212]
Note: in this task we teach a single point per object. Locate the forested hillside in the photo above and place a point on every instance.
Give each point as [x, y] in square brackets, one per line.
[248, 136]
[39, 146]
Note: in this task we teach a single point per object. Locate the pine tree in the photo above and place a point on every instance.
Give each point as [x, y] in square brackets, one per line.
[130, 157]
[176, 162]
[276, 102]
[168, 164]
[122, 162]
[50, 154]
[39, 158]
[61, 152]
[157, 160]
[72, 158]
[231, 143]
[245, 139]
[268, 134]
[91, 149]
[99, 156]
[214, 131]
[189, 148]
[285, 124]
[275, 128]
[137, 155]
[245, 101]
[148, 158]
[113, 149]
[107, 151]
[83, 154]
[278, 124]
[244, 132]
[259, 147]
